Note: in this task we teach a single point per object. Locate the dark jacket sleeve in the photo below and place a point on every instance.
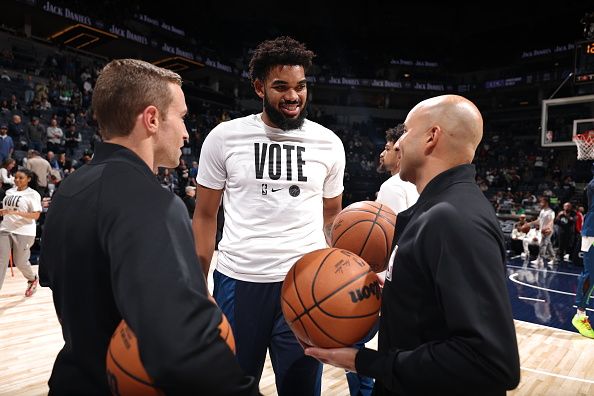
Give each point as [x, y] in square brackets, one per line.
[160, 290]
[464, 259]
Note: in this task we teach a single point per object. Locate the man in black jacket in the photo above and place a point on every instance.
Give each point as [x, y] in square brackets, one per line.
[118, 246]
[446, 324]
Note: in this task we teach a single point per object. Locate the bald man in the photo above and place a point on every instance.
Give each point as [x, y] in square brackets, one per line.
[446, 323]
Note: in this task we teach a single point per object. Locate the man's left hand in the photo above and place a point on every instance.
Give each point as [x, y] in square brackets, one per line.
[338, 357]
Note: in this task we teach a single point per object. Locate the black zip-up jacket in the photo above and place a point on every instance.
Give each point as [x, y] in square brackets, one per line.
[446, 325]
[117, 245]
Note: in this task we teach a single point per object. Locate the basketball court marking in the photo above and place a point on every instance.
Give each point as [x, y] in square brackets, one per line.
[532, 299]
[513, 277]
[558, 375]
[543, 270]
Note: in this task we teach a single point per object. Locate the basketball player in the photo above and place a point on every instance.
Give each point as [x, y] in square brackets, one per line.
[585, 283]
[446, 325]
[394, 192]
[398, 195]
[118, 246]
[282, 178]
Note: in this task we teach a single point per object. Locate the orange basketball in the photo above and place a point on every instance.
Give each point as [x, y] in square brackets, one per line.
[525, 228]
[125, 372]
[330, 298]
[366, 228]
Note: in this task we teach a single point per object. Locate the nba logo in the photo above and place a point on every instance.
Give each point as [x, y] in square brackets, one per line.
[391, 264]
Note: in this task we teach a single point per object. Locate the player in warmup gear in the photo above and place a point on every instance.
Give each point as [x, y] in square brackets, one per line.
[21, 207]
[280, 176]
[439, 331]
[108, 257]
[399, 195]
[585, 283]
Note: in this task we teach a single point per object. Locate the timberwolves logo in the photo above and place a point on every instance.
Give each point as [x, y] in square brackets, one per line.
[294, 190]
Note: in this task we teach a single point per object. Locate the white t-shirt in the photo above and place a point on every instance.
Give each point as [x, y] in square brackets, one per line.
[5, 177]
[546, 217]
[27, 200]
[273, 182]
[398, 194]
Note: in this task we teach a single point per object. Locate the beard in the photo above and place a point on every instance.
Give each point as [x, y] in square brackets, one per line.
[279, 119]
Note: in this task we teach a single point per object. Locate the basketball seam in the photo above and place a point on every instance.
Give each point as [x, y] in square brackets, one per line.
[294, 269]
[351, 226]
[129, 373]
[316, 303]
[387, 218]
[307, 311]
[297, 317]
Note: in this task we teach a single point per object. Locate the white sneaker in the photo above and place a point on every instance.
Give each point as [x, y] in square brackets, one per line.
[522, 255]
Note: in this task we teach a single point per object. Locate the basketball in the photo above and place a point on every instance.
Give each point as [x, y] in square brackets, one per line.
[330, 298]
[366, 228]
[525, 228]
[125, 372]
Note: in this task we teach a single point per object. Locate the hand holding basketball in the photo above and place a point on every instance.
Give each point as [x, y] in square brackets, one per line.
[330, 298]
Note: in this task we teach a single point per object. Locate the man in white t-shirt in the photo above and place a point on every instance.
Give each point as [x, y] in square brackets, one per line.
[281, 180]
[545, 220]
[399, 195]
[394, 192]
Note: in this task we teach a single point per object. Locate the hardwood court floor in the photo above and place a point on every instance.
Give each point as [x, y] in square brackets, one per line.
[554, 362]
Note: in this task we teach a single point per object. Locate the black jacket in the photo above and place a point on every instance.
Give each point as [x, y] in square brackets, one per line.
[116, 245]
[446, 325]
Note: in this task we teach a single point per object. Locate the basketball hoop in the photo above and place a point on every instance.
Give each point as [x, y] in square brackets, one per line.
[585, 145]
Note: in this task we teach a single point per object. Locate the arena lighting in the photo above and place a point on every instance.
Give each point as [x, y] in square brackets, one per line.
[80, 36]
[178, 63]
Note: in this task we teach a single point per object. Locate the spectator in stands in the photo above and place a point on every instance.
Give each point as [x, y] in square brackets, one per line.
[565, 221]
[65, 164]
[6, 144]
[21, 207]
[14, 103]
[72, 139]
[6, 176]
[518, 234]
[532, 238]
[29, 90]
[190, 199]
[250, 270]
[35, 134]
[54, 136]
[53, 161]
[45, 104]
[16, 132]
[4, 108]
[41, 168]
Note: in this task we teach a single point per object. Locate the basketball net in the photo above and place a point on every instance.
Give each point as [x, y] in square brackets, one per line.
[585, 145]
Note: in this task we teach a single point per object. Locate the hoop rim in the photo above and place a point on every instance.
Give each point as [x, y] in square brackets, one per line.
[587, 136]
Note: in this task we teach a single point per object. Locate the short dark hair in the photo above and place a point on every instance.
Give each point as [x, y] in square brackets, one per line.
[393, 134]
[282, 50]
[124, 89]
